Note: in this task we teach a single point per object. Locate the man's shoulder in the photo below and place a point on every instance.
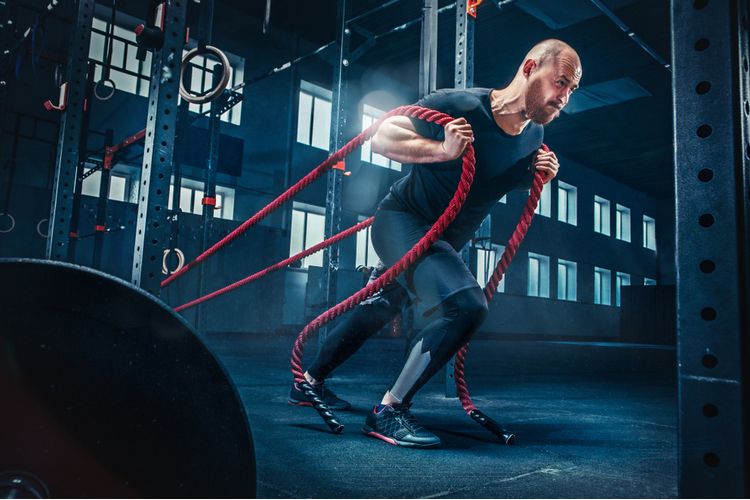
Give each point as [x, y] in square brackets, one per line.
[457, 100]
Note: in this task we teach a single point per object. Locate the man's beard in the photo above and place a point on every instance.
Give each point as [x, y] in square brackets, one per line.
[537, 110]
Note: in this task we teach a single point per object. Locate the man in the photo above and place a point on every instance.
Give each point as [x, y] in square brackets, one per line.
[505, 126]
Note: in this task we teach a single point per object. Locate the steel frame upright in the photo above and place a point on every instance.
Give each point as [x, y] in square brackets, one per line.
[7, 37]
[463, 78]
[151, 237]
[68, 148]
[710, 107]
[335, 176]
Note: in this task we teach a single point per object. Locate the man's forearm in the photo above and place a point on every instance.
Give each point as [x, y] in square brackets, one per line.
[397, 142]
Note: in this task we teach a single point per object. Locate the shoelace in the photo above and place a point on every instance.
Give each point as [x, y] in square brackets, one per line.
[408, 419]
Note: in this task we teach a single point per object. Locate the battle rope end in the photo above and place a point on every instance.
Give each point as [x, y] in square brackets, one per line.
[492, 426]
[321, 407]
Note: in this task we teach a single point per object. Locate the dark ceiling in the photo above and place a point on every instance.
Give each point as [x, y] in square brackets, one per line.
[630, 142]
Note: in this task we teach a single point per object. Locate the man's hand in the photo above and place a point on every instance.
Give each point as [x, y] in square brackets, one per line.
[547, 163]
[458, 134]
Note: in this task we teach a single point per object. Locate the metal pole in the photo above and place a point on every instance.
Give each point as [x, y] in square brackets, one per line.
[153, 198]
[7, 38]
[428, 48]
[710, 99]
[463, 78]
[212, 164]
[68, 154]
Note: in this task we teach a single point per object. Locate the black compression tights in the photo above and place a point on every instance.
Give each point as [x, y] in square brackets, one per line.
[349, 335]
[462, 315]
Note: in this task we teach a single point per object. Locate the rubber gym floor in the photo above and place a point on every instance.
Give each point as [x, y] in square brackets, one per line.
[591, 420]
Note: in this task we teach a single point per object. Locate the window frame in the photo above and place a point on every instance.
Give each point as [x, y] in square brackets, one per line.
[567, 203]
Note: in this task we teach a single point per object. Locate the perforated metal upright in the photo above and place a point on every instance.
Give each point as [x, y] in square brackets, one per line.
[710, 64]
[428, 48]
[335, 176]
[151, 236]
[7, 37]
[68, 153]
[463, 78]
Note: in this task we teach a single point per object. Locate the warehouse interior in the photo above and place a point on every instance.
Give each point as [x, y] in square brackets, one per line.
[166, 166]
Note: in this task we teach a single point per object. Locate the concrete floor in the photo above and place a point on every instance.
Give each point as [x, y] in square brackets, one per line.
[591, 421]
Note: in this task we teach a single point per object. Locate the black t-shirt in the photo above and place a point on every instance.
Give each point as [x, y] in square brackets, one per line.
[503, 163]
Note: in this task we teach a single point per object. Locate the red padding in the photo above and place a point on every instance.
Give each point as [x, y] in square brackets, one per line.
[100, 228]
[209, 201]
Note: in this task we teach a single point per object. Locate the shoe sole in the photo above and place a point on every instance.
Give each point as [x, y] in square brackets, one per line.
[294, 402]
[406, 444]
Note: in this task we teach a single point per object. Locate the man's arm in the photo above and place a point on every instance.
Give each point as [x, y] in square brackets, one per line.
[397, 140]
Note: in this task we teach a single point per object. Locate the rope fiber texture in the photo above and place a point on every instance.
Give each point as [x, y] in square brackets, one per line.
[412, 111]
[489, 290]
[412, 255]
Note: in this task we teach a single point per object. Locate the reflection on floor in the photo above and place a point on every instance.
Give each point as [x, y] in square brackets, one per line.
[592, 420]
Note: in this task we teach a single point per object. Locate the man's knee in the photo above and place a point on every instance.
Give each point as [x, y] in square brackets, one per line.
[472, 307]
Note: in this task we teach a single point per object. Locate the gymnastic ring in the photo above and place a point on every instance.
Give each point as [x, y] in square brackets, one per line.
[12, 223]
[214, 93]
[180, 261]
[96, 87]
[40, 231]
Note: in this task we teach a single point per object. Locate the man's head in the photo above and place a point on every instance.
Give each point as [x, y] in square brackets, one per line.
[552, 71]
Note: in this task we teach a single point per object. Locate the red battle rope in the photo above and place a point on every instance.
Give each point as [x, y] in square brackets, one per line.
[412, 111]
[489, 290]
[425, 243]
[320, 246]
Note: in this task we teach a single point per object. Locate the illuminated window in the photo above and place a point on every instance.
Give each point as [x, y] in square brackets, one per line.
[567, 203]
[545, 202]
[538, 275]
[567, 277]
[191, 198]
[308, 229]
[623, 279]
[314, 116]
[622, 228]
[649, 282]
[119, 186]
[649, 233]
[602, 286]
[201, 80]
[487, 260]
[601, 215]
[369, 116]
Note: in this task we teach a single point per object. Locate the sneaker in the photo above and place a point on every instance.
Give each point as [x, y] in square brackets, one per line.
[396, 425]
[298, 398]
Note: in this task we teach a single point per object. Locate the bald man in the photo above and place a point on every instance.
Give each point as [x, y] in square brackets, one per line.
[505, 127]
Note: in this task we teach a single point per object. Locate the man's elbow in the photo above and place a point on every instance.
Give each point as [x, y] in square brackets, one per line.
[377, 144]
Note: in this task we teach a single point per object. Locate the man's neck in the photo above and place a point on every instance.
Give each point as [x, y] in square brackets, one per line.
[508, 110]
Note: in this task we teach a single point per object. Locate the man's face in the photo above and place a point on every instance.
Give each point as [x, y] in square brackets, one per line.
[549, 88]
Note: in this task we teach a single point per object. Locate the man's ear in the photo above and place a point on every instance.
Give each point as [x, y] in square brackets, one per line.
[528, 66]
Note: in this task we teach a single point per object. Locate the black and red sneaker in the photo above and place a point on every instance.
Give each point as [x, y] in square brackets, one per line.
[298, 398]
[395, 424]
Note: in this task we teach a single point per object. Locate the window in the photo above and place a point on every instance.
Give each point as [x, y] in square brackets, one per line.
[128, 73]
[622, 228]
[545, 201]
[649, 282]
[504, 199]
[119, 186]
[567, 203]
[567, 273]
[601, 215]
[308, 229]
[314, 117]
[191, 198]
[622, 280]
[366, 255]
[602, 286]
[487, 260]
[369, 116]
[649, 233]
[201, 80]
[538, 275]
